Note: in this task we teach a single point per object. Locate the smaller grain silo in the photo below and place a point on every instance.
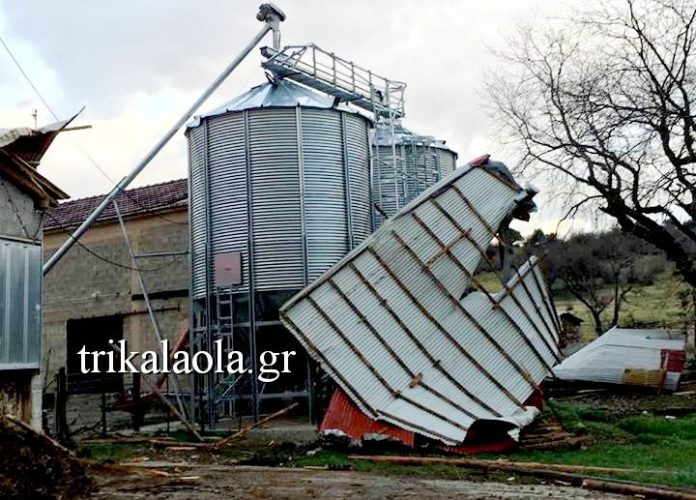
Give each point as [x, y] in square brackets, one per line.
[279, 192]
[404, 165]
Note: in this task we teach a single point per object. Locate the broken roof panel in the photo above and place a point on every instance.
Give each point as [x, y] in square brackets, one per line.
[398, 327]
[629, 356]
[31, 144]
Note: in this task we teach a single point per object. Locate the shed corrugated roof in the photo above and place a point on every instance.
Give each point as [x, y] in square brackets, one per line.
[136, 201]
[628, 356]
[398, 327]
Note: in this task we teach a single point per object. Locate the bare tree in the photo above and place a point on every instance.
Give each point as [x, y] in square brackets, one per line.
[604, 103]
[600, 270]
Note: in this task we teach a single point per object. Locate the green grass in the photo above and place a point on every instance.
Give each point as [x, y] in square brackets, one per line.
[103, 453]
[662, 451]
[647, 443]
[338, 460]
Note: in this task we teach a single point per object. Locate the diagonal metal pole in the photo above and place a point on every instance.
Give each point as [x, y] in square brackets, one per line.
[148, 304]
[271, 16]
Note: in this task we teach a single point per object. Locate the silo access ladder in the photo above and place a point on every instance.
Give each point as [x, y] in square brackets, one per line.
[328, 73]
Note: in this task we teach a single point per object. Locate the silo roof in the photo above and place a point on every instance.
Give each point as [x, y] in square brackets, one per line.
[402, 135]
[282, 94]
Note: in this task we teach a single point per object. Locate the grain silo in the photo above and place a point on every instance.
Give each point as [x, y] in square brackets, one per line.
[279, 192]
[405, 164]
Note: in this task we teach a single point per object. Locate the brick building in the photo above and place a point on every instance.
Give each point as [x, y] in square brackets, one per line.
[93, 294]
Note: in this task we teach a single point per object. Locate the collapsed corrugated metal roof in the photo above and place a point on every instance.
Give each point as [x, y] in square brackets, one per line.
[399, 328]
[21, 150]
[629, 356]
[28, 144]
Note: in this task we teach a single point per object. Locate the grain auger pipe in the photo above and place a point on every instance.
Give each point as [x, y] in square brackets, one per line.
[271, 16]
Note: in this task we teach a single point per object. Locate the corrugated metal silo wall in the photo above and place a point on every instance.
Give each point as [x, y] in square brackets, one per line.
[447, 160]
[276, 199]
[358, 151]
[417, 168]
[286, 181]
[196, 143]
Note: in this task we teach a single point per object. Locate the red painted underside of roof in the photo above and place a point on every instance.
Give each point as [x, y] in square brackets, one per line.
[135, 201]
[342, 415]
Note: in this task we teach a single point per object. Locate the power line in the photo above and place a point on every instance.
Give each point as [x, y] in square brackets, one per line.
[106, 259]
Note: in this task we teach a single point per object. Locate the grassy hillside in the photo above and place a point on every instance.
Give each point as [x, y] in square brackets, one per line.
[659, 304]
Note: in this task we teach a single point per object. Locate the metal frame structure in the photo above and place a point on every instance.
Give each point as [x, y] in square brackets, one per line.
[322, 70]
[333, 75]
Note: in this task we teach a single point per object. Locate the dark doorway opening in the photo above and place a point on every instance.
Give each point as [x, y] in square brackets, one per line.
[94, 334]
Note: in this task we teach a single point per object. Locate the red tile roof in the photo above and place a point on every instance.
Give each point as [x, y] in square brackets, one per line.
[138, 201]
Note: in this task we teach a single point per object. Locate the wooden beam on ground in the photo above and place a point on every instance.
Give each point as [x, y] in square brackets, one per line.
[639, 491]
[245, 430]
[492, 464]
[567, 473]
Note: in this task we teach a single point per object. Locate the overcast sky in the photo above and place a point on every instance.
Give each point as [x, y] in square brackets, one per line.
[137, 65]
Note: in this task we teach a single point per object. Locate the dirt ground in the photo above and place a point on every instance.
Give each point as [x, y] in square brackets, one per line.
[220, 481]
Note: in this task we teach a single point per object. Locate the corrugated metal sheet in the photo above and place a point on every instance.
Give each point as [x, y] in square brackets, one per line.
[297, 169]
[20, 305]
[196, 146]
[31, 144]
[629, 356]
[396, 324]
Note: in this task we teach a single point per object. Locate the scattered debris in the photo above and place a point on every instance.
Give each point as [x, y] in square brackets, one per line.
[653, 358]
[224, 442]
[548, 434]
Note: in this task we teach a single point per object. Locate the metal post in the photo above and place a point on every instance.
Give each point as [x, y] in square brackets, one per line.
[103, 407]
[137, 404]
[61, 405]
[271, 16]
[146, 297]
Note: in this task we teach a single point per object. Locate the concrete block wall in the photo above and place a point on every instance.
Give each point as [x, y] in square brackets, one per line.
[82, 285]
